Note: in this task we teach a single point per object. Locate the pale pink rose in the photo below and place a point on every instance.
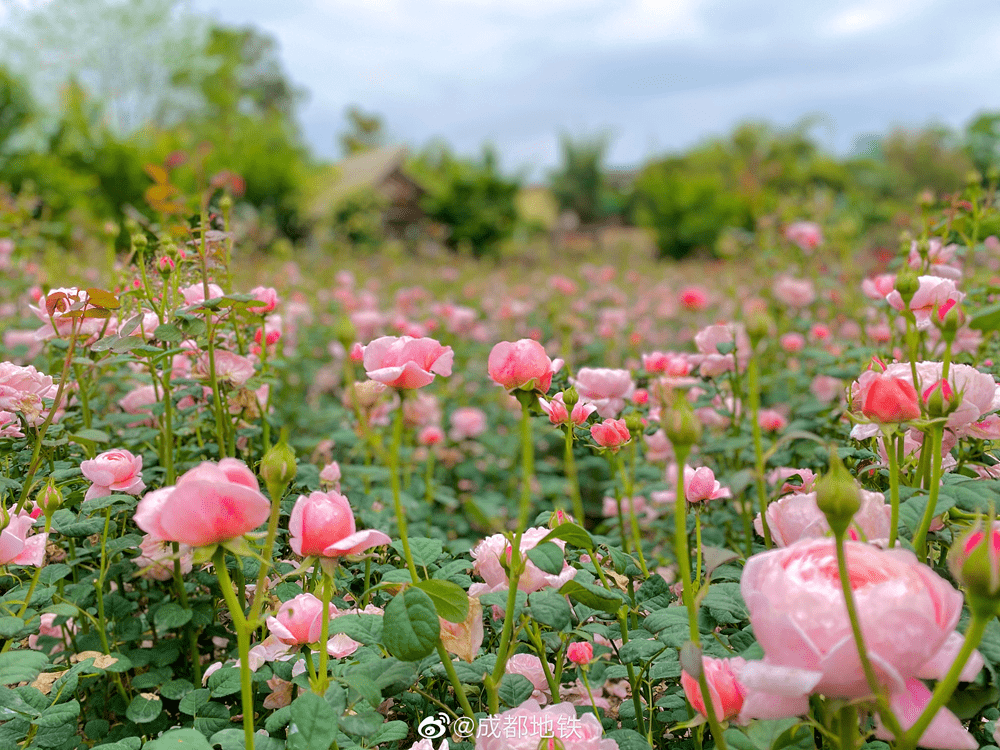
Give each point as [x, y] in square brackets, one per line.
[939, 257]
[933, 292]
[268, 650]
[47, 627]
[112, 472]
[987, 428]
[559, 414]
[463, 639]
[22, 390]
[155, 561]
[797, 516]
[407, 363]
[421, 409]
[299, 620]
[806, 234]
[329, 477]
[520, 364]
[268, 296]
[783, 474]
[658, 447]
[229, 368]
[784, 589]
[771, 420]
[210, 504]
[138, 401]
[879, 287]
[17, 547]
[794, 292]
[196, 293]
[340, 646]
[723, 687]
[605, 388]
[13, 339]
[826, 388]
[530, 666]
[486, 563]
[467, 423]
[572, 733]
[10, 425]
[322, 524]
[946, 731]
[710, 361]
[700, 485]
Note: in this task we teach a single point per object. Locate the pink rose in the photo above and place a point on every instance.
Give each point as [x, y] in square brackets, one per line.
[583, 733]
[529, 666]
[22, 390]
[138, 401]
[806, 234]
[605, 388]
[156, 559]
[407, 363]
[804, 654]
[210, 504]
[611, 433]
[329, 477]
[520, 364]
[467, 423]
[693, 298]
[17, 547]
[298, 621]
[783, 474]
[723, 687]
[794, 292]
[559, 414]
[700, 485]
[486, 563]
[196, 293]
[113, 471]
[879, 287]
[797, 516]
[711, 362]
[268, 296]
[580, 652]
[322, 524]
[933, 292]
[47, 627]
[771, 420]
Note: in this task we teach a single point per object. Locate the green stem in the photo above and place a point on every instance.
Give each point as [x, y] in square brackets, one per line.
[326, 594]
[920, 538]
[632, 679]
[713, 720]
[397, 502]
[848, 727]
[189, 627]
[84, 395]
[573, 478]
[889, 441]
[681, 544]
[456, 683]
[944, 689]
[242, 643]
[628, 488]
[753, 392]
[888, 717]
[276, 491]
[586, 684]
[429, 478]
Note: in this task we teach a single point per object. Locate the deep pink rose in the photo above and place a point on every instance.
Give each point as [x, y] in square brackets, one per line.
[210, 504]
[723, 687]
[406, 362]
[322, 523]
[611, 433]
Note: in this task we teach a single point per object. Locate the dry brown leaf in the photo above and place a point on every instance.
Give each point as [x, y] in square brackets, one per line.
[620, 580]
[45, 680]
[101, 661]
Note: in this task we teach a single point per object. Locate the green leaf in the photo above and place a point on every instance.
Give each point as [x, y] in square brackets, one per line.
[10, 626]
[102, 298]
[170, 616]
[911, 512]
[628, 739]
[725, 603]
[549, 607]
[169, 333]
[314, 721]
[592, 596]
[424, 551]
[93, 436]
[450, 599]
[548, 557]
[176, 689]
[390, 731]
[515, 689]
[211, 717]
[21, 666]
[187, 739]
[361, 725]
[225, 681]
[11, 701]
[570, 533]
[363, 628]
[639, 650]
[411, 628]
[986, 319]
[143, 710]
[195, 700]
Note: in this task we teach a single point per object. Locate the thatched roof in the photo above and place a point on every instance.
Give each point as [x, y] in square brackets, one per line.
[367, 170]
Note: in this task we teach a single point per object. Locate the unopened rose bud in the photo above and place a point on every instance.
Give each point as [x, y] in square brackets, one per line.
[680, 424]
[634, 423]
[277, 468]
[972, 177]
[551, 743]
[974, 561]
[571, 397]
[559, 517]
[139, 242]
[225, 203]
[49, 499]
[580, 652]
[837, 495]
[907, 285]
[759, 324]
[346, 334]
[941, 400]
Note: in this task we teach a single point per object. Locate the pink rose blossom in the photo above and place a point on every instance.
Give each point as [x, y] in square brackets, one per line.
[559, 414]
[299, 620]
[17, 547]
[47, 627]
[520, 364]
[210, 504]
[700, 485]
[806, 234]
[195, 293]
[879, 287]
[530, 667]
[797, 516]
[611, 434]
[605, 388]
[572, 733]
[329, 477]
[156, 561]
[467, 423]
[710, 361]
[794, 292]
[793, 342]
[22, 390]
[783, 474]
[112, 472]
[723, 687]
[486, 558]
[784, 589]
[407, 363]
[322, 524]
[268, 296]
[771, 420]
[580, 652]
[693, 298]
[931, 294]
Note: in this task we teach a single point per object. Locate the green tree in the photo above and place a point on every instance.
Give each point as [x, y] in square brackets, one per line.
[365, 132]
[982, 142]
[579, 185]
[470, 198]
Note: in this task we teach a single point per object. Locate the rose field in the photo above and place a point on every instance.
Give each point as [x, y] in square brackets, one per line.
[317, 501]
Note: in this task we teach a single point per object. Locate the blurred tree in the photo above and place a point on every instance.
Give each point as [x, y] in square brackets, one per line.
[982, 142]
[578, 185]
[16, 107]
[365, 132]
[471, 199]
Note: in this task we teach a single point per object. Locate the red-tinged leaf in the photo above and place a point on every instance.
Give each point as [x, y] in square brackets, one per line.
[102, 298]
[158, 193]
[157, 173]
[56, 302]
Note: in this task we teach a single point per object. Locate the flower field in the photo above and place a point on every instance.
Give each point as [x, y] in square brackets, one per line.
[264, 502]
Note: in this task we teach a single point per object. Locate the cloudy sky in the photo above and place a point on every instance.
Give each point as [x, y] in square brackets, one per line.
[656, 74]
